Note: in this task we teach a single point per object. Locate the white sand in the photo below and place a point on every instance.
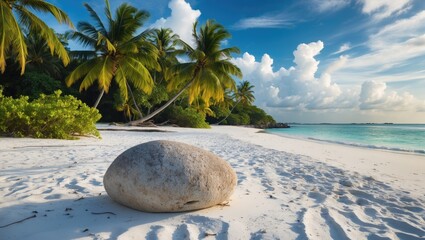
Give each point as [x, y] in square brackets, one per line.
[288, 189]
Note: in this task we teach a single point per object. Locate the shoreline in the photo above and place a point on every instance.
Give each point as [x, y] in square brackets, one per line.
[382, 136]
[287, 189]
[381, 164]
[357, 145]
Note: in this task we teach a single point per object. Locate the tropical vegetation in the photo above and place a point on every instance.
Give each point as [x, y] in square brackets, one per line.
[129, 74]
[16, 19]
[210, 71]
[117, 52]
[244, 95]
[49, 116]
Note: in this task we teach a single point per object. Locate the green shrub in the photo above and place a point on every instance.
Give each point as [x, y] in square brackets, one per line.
[187, 117]
[34, 84]
[258, 116]
[238, 119]
[50, 116]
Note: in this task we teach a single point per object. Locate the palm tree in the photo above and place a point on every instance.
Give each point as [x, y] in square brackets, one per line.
[40, 59]
[244, 95]
[12, 37]
[117, 53]
[165, 42]
[210, 70]
[200, 106]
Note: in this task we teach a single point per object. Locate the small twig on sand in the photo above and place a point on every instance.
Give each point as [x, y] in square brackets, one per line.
[98, 213]
[210, 234]
[81, 198]
[7, 225]
[224, 204]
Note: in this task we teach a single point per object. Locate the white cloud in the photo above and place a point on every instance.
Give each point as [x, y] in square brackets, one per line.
[263, 22]
[381, 9]
[337, 64]
[378, 9]
[296, 87]
[389, 56]
[330, 5]
[299, 88]
[374, 95]
[181, 19]
[393, 47]
[399, 31]
[344, 47]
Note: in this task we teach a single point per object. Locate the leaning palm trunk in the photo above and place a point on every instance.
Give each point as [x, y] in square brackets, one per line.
[134, 102]
[231, 110]
[154, 113]
[98, 98]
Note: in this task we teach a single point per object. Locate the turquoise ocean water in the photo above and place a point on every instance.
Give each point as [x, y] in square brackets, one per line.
[397, 137]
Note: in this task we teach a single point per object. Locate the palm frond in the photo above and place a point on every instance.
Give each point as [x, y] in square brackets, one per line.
[182, 72]
[102, 71]
[137, 74]
[7, 32]
[128, 20]
[37, 26]
[43, 6]
[83, 54]
[134, 43]
[18, 43]
[85, 40]
[121, 80]
[81, 71]
[87, 29]
[95, 16]
[106, 73]
[108, 10]
[103, 39]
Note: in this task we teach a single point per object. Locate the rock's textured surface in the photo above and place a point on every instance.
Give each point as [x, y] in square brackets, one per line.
[166, 176]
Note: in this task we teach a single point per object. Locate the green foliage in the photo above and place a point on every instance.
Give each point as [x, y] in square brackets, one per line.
[50, 116]
[220, 111]
[210, 68]
[186, 117]
[238, 119]
[34, 83]
[159, 94]
[258, 116]
[116, 52]
[243, 115]
[244, 93]
[16, 17]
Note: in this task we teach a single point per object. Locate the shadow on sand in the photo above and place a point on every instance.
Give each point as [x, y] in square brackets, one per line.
[74, 218]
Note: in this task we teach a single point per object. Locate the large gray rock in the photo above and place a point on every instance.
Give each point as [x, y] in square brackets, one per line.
[166, 176]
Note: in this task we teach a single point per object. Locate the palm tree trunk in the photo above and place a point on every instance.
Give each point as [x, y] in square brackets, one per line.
[134, 101]
[154, 113]
[231, 110]
[98, 98]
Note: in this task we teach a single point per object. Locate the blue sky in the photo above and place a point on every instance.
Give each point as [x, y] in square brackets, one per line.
[312, 60]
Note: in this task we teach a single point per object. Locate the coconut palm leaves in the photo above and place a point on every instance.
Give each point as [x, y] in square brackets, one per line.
[15, 18]
[39, 57]
[165, 42]
[117, 53]
[244, 95]
[209, 71]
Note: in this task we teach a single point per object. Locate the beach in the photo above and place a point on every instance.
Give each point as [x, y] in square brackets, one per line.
[288, 188]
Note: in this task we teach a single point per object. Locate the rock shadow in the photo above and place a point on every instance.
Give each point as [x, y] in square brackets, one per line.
[74, 218]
